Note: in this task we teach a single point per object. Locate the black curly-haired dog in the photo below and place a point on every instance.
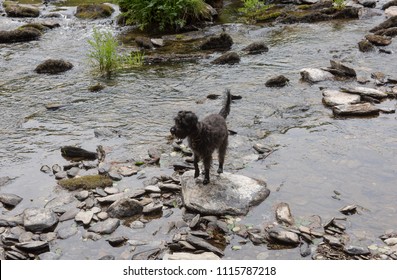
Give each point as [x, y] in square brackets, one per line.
[204, 137]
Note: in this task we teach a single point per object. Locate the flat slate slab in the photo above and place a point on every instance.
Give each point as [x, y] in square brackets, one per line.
[361, 109]
[336, 97]
[226, 193]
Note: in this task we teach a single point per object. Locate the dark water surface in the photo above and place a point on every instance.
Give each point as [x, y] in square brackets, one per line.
[316, 154]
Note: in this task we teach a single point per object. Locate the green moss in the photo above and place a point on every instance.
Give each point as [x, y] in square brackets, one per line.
[94, 11]
[86, 182]
[304, 7]
[37, 26]
[269, 16]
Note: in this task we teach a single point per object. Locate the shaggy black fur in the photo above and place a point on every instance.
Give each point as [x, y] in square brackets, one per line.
[204, 137]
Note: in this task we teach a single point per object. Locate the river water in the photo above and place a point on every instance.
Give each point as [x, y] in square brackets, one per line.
[319, 165]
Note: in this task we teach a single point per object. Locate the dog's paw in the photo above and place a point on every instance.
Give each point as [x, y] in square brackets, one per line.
[196, 174]
[220, 170]
[206, 181]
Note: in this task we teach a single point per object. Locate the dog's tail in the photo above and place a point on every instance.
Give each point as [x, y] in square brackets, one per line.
[224, 112]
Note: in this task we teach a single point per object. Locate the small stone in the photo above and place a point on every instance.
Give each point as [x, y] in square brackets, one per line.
[227, 58]
[103, 215]
[82, 195]
[355, 250]
[111, 190]
[313, 75]
[66, 232]
[365, 46]
[152, 208]
[69, 215]
[391, 241]
[335, 97]
[33, 246]
[137, 225]
[124, 207]
[194, 221]
[152, 189]
[284, 236]
[106, 227]
[277, 81]
[115, 176]
[73, 172]
[256, 48]
[283, 214]
[116, 241]
[361, 109]
[10, 200]
[39, 220]
[61, 175]
[126, 171]
[45, 169]
[84, 216]
[53, 66]
[157, 42]
[56, 168]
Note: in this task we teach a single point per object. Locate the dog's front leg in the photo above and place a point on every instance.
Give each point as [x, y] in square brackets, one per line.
[196, 167]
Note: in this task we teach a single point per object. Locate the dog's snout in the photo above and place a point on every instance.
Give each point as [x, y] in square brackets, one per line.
[173, 130]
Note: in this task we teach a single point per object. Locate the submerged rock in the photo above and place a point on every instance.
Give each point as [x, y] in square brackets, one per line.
[339, 69]
[365, 46]
[225, 194]
[378, 40]
[256, 48]
[93, 11]
[227, 58]
[335, 97]
[277, 81]
[222, 42]
[53, 66]
[19, 35]
[391, 22]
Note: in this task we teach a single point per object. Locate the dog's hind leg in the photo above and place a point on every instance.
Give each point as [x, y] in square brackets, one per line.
[207, 164]
[221, 155]
[196, 167]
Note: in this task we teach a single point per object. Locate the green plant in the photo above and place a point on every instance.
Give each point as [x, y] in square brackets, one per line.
[163, 14]
[339, 4]
[103, 54]
[253, 9]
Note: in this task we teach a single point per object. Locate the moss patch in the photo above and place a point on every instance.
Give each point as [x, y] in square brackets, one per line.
[94, 11]
[86, 182]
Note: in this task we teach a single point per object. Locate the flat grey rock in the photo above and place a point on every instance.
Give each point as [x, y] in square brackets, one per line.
[225, 194]
[39, 220]
[336, 97]
[314, 75]
[106, 227]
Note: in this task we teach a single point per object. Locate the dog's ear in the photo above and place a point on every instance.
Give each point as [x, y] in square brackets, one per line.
[190, 118]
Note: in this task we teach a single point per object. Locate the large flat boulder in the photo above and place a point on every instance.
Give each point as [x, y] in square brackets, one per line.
[225, 194]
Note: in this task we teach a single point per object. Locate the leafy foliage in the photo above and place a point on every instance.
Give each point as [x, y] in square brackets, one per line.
[339, 4]
[163, 14]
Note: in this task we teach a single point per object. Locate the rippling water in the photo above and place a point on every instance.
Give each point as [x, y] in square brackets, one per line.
[316, 153]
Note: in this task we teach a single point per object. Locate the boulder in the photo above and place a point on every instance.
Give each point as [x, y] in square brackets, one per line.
[339, 69]
[93, 11]
[336, 97]
[227, 58]
[124, 207]
[17, 10]
[53, 66]
[222, 42]
[391, 22]
[313, 75]
[378, 40]
[19, 35]
[391, 12]
[225, 194]
[39, 220]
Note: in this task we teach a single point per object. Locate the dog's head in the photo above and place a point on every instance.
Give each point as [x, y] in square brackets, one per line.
[185, 124]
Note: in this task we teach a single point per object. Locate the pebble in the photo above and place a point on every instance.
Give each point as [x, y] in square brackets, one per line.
[45, 169]
[283, 214]
[82, 195]
[106, 227]
[391, 241]
[152, 189]
[152, 208]
[111, 190]
[10, 200]
[137, 225]
[84, 216]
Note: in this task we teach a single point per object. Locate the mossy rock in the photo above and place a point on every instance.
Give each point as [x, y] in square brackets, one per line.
[19, 35]
[86, 182]
[53, 66]
[94, 11]
[37, 26]
[16, 10]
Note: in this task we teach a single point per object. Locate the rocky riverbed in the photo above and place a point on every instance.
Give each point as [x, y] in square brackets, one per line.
[130, 195]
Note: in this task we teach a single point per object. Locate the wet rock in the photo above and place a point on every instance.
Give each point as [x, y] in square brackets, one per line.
[53, 66]
[56, 168]
[391, 22]
[333, 241]
[111, 190]
[391, 11]
[116, 241]
[157, 42]
[45, 169]
[61, 175]
[391, 241]
[69, 215]
[277, 81]
[339, 69]
[283, 214]
[10, 200]
[73, 172]
[115, 176]
[49, 256]
[169, 187]
[262, 149]
[86, 182]
[152, 208]
[378, 40]
[256, 48]
[106, 227]
[36, 247]
[77, 154]
[283, 236]
[349, 210]
[137, 225]
[365, 46]
[202, 244]
[146, 254]
[313, 75]
[335, 97]
[368, 3]
[84, 216]
[364, 91]
[124, 207]
[20, 11]
[39, 220]
[390, 32]
[389, 4]
[114, 197]
[82, 195]
[152, 189]
[127, 171]
[144, 43]
[356, 250]
[190, 256]
[19, 35]
[323, 15]
[225, 194]
[11, 221]
[361, 109]
[222, 42]
[93, 11]
[227, 58]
